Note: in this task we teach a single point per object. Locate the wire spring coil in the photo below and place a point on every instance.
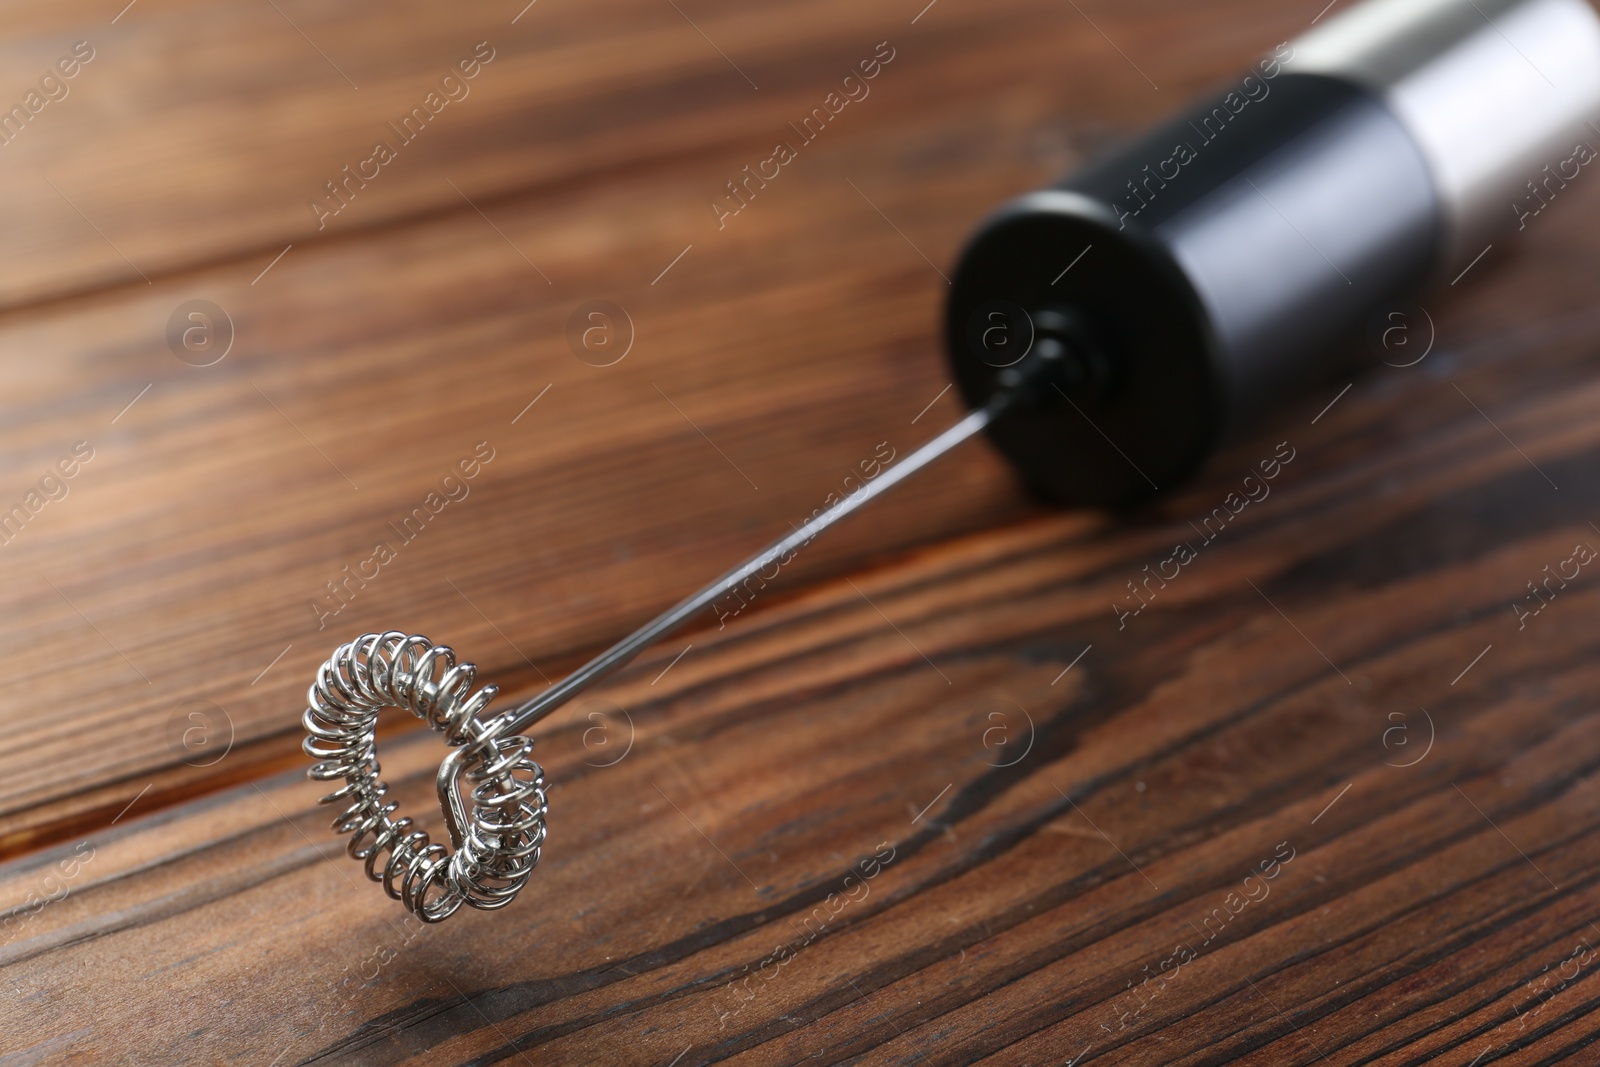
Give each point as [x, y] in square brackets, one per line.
[497, 840]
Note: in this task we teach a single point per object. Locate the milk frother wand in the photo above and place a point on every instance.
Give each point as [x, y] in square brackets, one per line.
[1107, 332]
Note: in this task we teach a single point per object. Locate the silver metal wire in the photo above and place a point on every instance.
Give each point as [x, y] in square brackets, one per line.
[617, 655]
[498, 832]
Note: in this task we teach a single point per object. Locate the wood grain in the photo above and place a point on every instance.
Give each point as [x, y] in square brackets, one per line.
[201, 130]
[1049, 801]
[1027, 890]
[189, 553]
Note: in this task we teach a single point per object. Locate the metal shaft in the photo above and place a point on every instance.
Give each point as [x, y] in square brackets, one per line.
[624, 650]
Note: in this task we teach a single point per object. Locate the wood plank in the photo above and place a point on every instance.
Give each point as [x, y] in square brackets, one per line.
[219, 506]
[185, 562]
[1058, 824]
[1424, 881]
[200, 131]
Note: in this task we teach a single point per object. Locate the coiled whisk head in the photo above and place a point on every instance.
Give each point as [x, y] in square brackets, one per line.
[496, 833]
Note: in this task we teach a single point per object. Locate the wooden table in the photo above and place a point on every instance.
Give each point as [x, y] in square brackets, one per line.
[1330, 797]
